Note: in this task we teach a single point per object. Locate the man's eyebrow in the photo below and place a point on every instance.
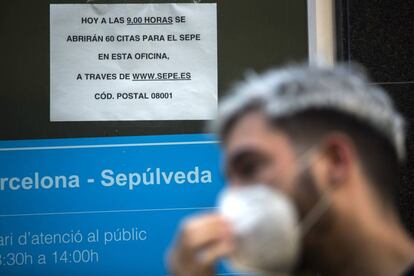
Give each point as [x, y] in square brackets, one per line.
[240, 155]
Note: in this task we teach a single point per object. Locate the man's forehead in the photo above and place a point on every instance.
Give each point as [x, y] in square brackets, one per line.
[253, 123]
[253, 129]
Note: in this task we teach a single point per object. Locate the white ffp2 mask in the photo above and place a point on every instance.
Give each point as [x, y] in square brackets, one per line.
[265, 224]
[267, 227]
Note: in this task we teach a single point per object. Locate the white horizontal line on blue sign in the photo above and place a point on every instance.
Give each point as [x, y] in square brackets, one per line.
[109, 146]
[107, 212]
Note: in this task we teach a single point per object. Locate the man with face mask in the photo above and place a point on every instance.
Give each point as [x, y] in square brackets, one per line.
[312, 158]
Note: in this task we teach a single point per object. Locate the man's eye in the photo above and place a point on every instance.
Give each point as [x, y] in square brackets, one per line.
[249, 169]
[246, 166]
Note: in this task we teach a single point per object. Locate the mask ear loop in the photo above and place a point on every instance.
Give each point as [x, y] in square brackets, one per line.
[323, 203]
[315, 214]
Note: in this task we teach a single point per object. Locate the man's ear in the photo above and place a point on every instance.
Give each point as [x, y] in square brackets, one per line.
[340, 156]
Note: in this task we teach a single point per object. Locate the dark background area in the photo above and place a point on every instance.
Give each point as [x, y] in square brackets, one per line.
[379, 34]
[250, 36]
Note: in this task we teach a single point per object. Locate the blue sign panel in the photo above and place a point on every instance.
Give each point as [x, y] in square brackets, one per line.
[101, 205]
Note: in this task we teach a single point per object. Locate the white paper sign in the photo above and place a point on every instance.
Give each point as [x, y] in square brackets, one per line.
[133, 62]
